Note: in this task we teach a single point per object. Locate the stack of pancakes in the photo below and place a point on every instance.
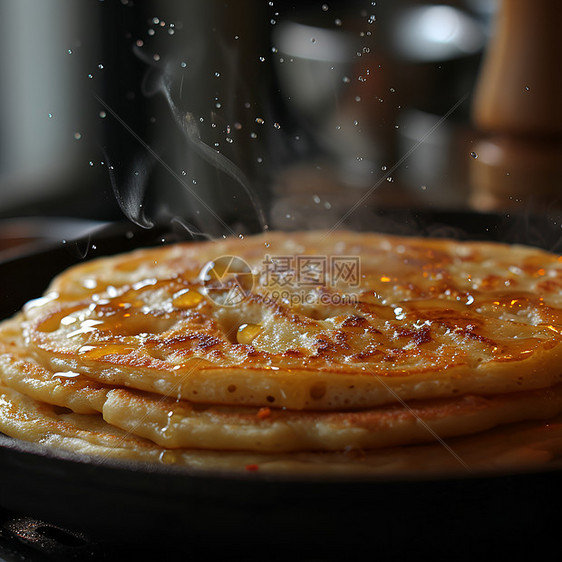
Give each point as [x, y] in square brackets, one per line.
[310, 351]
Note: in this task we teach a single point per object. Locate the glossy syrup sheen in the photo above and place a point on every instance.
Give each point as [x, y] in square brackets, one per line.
[421, 310]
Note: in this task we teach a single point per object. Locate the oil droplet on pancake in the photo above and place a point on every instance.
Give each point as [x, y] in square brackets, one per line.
[41, 301]
[66, 374]
[166, 428]
[168, 457]
[86, 326]
[98, 351]
[189, 298]
[247, 332]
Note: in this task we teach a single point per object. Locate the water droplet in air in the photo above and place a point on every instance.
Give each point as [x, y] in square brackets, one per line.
[103, 114]
[50, 115]
[474, 155]
[77, 136]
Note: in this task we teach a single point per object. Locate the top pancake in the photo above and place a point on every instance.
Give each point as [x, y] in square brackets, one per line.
[317, 321]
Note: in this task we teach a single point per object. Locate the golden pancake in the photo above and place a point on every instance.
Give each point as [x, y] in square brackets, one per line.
[431, 318]
[522, 446]
[280, 343]
[173, 423]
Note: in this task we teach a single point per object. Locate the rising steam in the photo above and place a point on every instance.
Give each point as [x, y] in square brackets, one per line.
[130, 186]
[188, 127]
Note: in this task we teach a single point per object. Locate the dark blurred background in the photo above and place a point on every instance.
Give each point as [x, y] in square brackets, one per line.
[226, 115]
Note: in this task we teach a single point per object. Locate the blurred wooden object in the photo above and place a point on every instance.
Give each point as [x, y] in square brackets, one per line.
[518, 160]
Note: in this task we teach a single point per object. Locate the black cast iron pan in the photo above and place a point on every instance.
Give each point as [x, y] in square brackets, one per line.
[206, 512]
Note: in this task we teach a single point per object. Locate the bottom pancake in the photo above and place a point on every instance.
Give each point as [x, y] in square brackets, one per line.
[520, 446]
